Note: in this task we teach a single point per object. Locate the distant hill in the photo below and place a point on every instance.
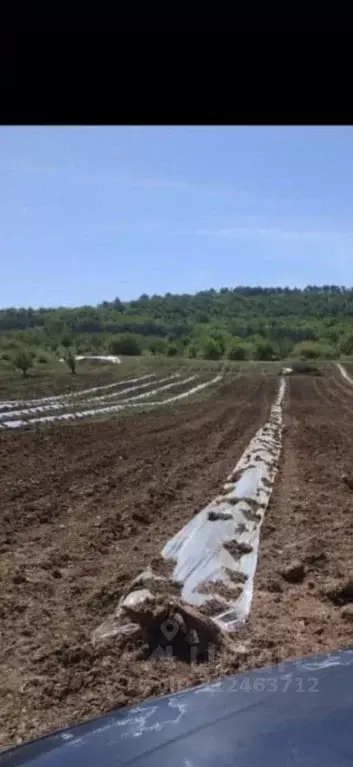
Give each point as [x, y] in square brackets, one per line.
[241, 322]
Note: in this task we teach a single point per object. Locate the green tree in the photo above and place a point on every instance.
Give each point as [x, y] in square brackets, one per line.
[23, 360]
[279, 316]
[66, 341]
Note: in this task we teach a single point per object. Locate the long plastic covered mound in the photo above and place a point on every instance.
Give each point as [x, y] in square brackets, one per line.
[67, 403]
[215, 554]
[79, 393]
[106, 409]
[295, 714]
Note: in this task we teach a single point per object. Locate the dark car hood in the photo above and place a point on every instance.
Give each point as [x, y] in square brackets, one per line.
[294, 714]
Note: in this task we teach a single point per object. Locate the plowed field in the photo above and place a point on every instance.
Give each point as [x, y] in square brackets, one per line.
[86, 506]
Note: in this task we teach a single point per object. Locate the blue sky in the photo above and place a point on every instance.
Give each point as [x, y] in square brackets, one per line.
[90, 213]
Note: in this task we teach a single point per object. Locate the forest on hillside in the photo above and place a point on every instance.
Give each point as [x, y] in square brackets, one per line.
[234, 323]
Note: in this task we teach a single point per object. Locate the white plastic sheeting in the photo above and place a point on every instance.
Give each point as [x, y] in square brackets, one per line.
[344, 372]
[199, 551]
[12, 403]
[103, 398]
[188, 392]
[104, 358]
[115, 408]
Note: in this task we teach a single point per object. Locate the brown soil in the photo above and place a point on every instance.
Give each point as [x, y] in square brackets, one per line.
[218, 588]
[182, 387]
[309, 521]
[84, 508]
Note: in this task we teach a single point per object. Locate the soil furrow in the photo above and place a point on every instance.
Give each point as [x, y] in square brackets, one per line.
[84, 508]
[309, 523]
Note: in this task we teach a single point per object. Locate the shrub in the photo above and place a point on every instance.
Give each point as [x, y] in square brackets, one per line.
[346, 345]
[305, 368]
[238, 350]
[128, 344]
[42, 358]
[191, 351]
[157, 346]
[211, 349]
[264, 350]
[172, 350]
[313, 350]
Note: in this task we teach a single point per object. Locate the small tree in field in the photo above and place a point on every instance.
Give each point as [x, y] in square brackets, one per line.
[70, 360]
[66, 341]
[23, 360]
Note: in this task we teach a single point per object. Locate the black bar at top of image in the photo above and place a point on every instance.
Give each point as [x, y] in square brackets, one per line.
[178, 106]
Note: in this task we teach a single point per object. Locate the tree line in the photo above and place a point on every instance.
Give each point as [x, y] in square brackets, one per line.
[234, 323]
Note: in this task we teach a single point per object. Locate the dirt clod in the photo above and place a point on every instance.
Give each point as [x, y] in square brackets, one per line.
[341, 592]
[229, 591]
[275, 586]
[294, 573]
[237, 549]
[347, 480]
[347, 612]
[252, 516]
[214, 606]
[166, 622]
[215, 516]
[317, 561]
[19, 578]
